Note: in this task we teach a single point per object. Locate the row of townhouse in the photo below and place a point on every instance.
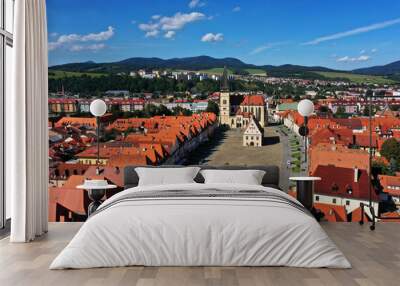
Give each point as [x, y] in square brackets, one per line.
[74, 105]
[153, 141]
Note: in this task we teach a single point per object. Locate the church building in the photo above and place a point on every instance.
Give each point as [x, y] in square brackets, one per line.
[236, 111]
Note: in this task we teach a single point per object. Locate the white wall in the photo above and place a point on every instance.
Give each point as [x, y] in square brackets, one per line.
[353, 203]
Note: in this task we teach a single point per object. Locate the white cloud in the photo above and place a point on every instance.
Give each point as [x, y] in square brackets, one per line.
[348, 59]
[374, 50]
[68, 40]
[53, 34]
[168, 24]
[353, 32]
[210, 37]
[236, 9]
[153, 33]
[93, 47]
[362, 52]
[266, 47]
[196, 3]
[156, 17]
[170, 34]
[102, 36]
[148, 27]
[179, 20]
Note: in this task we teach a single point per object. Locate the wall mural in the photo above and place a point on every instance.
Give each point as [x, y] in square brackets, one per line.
[166, 102]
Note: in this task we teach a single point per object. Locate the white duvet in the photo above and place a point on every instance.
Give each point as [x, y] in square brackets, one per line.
[205, 231]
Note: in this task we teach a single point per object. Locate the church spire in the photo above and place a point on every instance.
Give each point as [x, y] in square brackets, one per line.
[224, 80]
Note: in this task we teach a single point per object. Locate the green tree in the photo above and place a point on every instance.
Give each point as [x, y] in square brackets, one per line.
[182, 111]
[391, 150]
[340, 110]
[393, 166]
[212, 107]
[323, 109]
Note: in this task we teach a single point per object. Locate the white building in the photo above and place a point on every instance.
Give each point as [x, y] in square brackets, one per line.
[254, 134]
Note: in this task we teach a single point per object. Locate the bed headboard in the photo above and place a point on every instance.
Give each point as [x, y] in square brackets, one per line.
[271, 177]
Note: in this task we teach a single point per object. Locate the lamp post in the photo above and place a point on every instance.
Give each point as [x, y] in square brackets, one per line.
[98, 108]
[305, 108]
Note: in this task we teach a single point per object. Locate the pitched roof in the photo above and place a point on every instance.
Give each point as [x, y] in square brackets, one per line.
[357, 214]
[287, 106]
[332, 213]
[111, 174]
[390, 184]
[253, 100]
[337, 155]
[338, 182]
[254, 122]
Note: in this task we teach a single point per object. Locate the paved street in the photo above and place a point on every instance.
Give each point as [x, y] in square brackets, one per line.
[227, 149]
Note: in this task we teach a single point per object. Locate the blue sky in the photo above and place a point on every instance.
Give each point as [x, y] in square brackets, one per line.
[337, 34]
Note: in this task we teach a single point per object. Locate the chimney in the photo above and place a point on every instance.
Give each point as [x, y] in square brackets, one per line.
[356, 174]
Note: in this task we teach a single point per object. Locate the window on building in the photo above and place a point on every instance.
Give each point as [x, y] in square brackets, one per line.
[335, 187]
[334, 201]
[347, 203]
[317, 198]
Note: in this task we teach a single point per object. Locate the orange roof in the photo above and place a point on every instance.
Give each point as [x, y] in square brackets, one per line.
[71, 199]
[332, 213]
[390, 184]
[77, 121]
[253, 100]
[342, 136]
[125, 160]
[110, 173]
[356, 215]
[73, 181]
[338, 156]
[391, 217]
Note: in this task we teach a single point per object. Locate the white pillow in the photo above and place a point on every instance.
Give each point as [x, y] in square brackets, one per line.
[166, 176]
[247, 177]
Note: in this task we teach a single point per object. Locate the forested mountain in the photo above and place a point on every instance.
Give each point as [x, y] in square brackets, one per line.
[191, 63]
[389, 69]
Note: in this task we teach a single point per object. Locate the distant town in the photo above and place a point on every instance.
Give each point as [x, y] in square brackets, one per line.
[222, 118]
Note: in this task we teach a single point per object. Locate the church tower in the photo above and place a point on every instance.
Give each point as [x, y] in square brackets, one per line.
[224, 100]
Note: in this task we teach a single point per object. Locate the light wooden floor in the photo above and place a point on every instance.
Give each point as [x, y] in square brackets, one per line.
[375, 257]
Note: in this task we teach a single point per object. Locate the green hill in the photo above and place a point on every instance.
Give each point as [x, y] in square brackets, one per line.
[357, 78]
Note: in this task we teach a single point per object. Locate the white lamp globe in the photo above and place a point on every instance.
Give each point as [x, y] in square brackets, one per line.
[305, 107]
[98, 107]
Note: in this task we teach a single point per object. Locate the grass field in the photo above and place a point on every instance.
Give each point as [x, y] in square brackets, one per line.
[219, 71]
[63, 74]
[256, 71]
[357, 78]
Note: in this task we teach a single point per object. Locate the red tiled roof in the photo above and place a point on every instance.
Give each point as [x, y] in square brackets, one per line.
[253, 100]
[111, 174]
[337, 155]
[356, 215]
[390, 184]
[362, 140]
[343, 178]
[390, 217]
[71, 199]
[332, 213]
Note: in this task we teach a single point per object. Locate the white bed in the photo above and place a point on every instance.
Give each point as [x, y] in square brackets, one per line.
[246, 225]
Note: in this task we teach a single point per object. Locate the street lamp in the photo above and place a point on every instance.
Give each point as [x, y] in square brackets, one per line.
[98, 108]
[305, 108]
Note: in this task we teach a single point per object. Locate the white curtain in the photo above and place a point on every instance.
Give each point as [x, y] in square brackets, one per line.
[26, 124]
